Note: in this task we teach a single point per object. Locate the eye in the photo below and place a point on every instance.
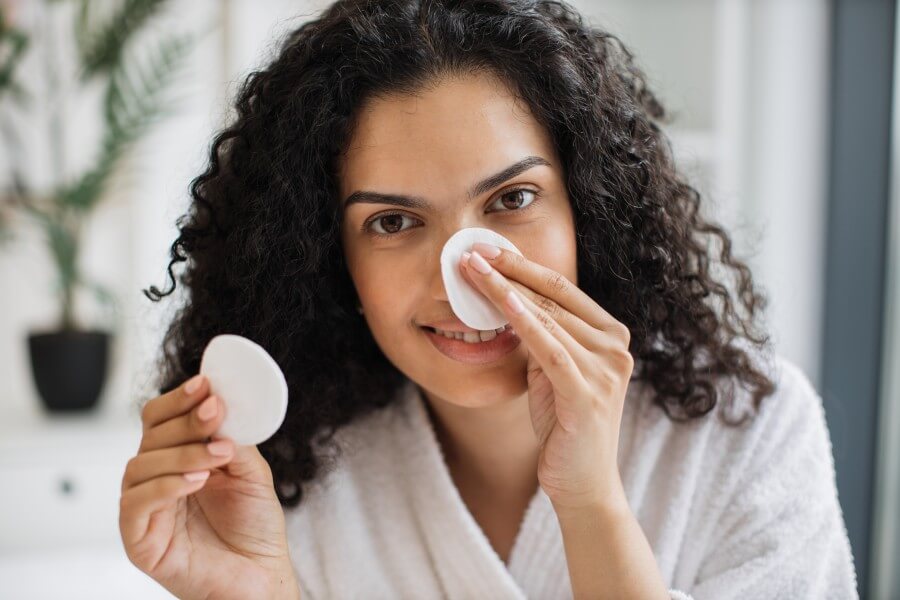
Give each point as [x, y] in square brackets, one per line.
[394, 220]
[515, 198]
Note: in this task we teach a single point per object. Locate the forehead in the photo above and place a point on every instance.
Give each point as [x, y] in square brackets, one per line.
[444, 135]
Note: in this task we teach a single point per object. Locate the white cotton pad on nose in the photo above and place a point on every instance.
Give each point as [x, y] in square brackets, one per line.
[469, 304]
[251, 385]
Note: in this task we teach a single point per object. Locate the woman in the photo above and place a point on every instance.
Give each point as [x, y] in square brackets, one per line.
[625, 437]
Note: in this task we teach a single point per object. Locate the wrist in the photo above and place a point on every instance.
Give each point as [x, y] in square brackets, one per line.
[286, 589]
[283, 584]
[612, 505]
[605, 512]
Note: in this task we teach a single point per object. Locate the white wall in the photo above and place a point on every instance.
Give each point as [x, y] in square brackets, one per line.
[786, 175]
[749, 91]
[747, 81]
[126, 241]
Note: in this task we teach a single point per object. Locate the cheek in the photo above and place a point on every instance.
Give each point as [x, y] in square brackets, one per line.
[385, 286]
[369, 276]
[553, 246]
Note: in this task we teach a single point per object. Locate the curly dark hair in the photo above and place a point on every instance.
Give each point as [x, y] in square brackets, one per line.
[261, 239]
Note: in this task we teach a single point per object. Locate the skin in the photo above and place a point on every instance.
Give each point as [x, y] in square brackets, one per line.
[219, 536]
[546, 414]
[550, 410]
[437, 145]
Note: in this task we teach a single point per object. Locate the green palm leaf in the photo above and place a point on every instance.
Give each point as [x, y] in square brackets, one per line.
[102, 50]
[133, 101]
[13, 43]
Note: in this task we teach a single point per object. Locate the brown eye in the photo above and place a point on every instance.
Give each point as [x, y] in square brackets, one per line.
[517, 199]
[390, 224]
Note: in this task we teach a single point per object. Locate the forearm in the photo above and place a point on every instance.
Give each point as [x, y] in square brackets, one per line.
[608, 555]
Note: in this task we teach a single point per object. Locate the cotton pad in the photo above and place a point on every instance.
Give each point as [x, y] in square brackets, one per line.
[250, 384]
[467, 302]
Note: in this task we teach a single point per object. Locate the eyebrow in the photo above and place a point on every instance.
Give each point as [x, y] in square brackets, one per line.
[479, 188]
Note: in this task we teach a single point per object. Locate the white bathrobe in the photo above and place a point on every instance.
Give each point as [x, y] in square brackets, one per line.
[747, 513]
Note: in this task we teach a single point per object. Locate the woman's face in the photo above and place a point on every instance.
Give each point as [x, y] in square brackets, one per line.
[435, 147]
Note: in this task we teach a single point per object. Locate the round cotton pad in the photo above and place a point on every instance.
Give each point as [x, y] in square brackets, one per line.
[469, 304]
[250, 384]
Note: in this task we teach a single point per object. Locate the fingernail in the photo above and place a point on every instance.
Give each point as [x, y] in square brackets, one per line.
[514, 303]
[219, 448]
[196, 475]
[486, 250]
[193, 384]
[207, 410]
[465, 257]
[479, 264]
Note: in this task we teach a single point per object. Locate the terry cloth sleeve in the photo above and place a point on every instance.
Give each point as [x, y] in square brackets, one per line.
[783, 534]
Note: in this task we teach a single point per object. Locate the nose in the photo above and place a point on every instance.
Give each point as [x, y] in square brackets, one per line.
[436, 283]
[436, 279]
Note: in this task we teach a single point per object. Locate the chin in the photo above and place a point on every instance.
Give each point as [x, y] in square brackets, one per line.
[486, 389]
[458, 383]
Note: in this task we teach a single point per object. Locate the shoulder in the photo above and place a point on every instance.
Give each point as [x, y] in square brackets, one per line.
[794, 407]
[775, 509]
[779, 460]
[707, 492]
[709, 461]
[787, 430]
[790, 420]
[794, 396]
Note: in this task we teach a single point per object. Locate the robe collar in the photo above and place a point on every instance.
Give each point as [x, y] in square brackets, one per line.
[462, 556]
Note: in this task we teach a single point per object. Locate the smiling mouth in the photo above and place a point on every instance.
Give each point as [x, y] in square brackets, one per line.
[469, 337]
[473, 352]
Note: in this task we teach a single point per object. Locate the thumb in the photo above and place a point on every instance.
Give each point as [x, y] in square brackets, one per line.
[248, 464]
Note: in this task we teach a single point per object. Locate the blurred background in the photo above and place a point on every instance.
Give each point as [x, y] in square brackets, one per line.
[782, 116]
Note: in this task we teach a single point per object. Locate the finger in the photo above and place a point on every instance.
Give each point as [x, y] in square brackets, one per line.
[174, 403]
[180, 459]
[187, 428]
[586, 335]
[555, 286]
[551, 345]
[586, 344]
[138, 504]
[581, 353]
[575, 346]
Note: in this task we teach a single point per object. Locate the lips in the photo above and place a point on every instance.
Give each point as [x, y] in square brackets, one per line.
[474, 352]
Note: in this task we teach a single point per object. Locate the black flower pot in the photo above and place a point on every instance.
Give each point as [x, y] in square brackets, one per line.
[69, 368]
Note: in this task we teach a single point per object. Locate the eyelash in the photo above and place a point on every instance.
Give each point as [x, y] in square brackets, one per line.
[367, 225]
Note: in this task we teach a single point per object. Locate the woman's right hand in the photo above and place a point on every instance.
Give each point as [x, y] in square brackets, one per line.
[220, 534]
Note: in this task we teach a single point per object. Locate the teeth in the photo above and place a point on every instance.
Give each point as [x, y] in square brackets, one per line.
[487, 336]
[473, 337]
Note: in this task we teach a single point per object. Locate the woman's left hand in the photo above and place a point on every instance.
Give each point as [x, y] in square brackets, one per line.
[579, 367]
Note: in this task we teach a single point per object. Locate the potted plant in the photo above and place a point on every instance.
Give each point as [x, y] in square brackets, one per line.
[69, 361]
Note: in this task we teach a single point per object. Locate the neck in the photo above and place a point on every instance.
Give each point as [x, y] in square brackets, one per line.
[493, 447]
